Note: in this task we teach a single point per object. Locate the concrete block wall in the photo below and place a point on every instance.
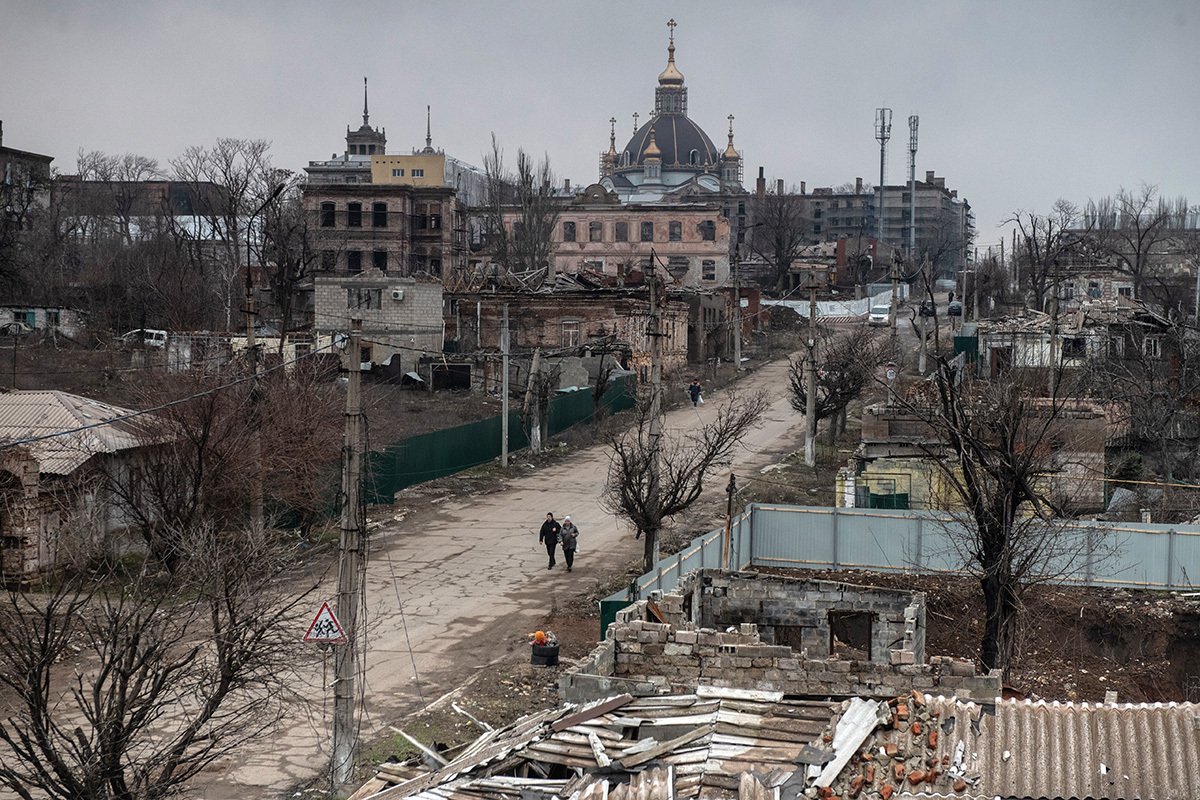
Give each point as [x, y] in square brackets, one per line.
[412, 324]
[797, 612]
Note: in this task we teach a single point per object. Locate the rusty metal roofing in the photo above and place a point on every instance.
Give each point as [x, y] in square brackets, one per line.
[32, 414]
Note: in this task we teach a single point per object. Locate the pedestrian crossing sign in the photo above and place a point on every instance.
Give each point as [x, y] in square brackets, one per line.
[325, 628]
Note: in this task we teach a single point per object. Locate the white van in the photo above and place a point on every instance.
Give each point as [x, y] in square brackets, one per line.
[144, 337]
[880, 315]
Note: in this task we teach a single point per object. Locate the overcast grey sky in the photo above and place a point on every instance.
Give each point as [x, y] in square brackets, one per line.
[1020, 102]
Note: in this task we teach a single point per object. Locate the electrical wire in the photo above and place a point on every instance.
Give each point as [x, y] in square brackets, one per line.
[153, 409]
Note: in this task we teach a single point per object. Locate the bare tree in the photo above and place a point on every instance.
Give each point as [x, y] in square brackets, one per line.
[171, 678]
[237, 168]
[520, 216]
[685, 463]
[1044, 242]
[286, 253]
[1132, 226]
[199, 467]
[1000, 448]
[783, 226]
[845, 366]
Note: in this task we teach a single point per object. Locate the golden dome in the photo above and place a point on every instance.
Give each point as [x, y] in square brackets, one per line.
[671, 76]
[651, 150]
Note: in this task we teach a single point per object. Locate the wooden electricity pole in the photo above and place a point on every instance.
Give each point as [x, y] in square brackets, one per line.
[504, 389]
[350, 551]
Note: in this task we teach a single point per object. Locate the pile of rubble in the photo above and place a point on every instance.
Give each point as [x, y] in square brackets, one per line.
[892, 750]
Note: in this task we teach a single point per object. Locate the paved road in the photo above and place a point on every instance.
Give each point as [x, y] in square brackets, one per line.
[473, 583]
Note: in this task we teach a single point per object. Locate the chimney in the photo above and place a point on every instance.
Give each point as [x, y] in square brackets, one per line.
[929, 176]
[760, 188]
[779, 186]
[567, 184]
[803, 187]
[858, 185]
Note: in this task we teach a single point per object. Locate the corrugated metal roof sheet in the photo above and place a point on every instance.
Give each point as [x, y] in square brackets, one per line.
[1078, 750]
[707, 746]
[28, 414]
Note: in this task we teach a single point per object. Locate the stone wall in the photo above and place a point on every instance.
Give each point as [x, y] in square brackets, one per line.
[641, 657]
[802, 614]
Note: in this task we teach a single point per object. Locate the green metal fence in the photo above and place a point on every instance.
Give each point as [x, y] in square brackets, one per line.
[445, 452]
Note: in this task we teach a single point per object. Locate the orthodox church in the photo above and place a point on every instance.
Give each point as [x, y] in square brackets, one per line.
[670, 159]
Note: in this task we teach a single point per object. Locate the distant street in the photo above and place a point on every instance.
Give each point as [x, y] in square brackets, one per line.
[473, 583]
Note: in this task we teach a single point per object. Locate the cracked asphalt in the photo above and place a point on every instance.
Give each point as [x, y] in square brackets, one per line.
[464, 582]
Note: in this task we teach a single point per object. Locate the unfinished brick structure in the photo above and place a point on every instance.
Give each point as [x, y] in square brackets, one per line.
[701, 635]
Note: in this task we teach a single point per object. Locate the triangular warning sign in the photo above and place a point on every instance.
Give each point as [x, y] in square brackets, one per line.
[325, 628]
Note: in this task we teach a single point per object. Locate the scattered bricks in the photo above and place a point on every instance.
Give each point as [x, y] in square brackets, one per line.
[931, 776]
[825, 792]
[933, 738]
[827, 738]
[856, 784]
[898, 771]
[960, 785]
[901, 711]
[890, 749]
[886, 791]
[869, 772]
[918, 699]
[916, 776]
[916, 729]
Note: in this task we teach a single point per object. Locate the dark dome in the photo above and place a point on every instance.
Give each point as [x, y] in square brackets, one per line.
[676, 136]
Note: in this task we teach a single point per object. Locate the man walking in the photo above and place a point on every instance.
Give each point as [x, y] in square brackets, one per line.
[548, 536]
[695, 392]
[569, 535]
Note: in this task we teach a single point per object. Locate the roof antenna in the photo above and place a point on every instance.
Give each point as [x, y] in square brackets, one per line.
[366, 116]
[428, 137]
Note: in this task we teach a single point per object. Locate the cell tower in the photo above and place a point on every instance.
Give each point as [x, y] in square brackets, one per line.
[883, 132]
[912, 186]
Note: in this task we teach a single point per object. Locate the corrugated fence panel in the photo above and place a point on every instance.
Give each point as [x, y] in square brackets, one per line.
[1134, 555]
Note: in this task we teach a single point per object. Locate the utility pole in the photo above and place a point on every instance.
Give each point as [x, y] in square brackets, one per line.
[737, 313]
[810, 406]
[913, 121]
[504, 389]
[923, 345]
[1053, 338]
[345, 729]
[727, 541]
[655, 391]
[883, 132]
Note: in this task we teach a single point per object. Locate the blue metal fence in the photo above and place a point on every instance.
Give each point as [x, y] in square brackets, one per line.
[1117, 554]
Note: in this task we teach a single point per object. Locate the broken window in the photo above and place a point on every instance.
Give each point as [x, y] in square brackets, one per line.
[622, 231]
[568, 231]
[675, 231]
[709, 272]
[595, 231]
[354, 260]
[361, 297]
[354, 215]
[379, 259]
[708, 231]
[647, 231]
[327, 215]
[328, 259]
[379, 215]
[850, 635]
[1074, 347]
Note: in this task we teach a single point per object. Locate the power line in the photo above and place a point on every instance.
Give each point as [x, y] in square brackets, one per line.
[145, 411]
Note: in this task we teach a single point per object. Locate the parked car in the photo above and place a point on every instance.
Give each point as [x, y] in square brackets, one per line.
[15, 328]
[927, 309]
[144, 337]
[879, 315]
[954, 309]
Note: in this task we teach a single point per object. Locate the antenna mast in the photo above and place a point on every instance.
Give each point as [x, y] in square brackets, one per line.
[883, 132]
[912, 186]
